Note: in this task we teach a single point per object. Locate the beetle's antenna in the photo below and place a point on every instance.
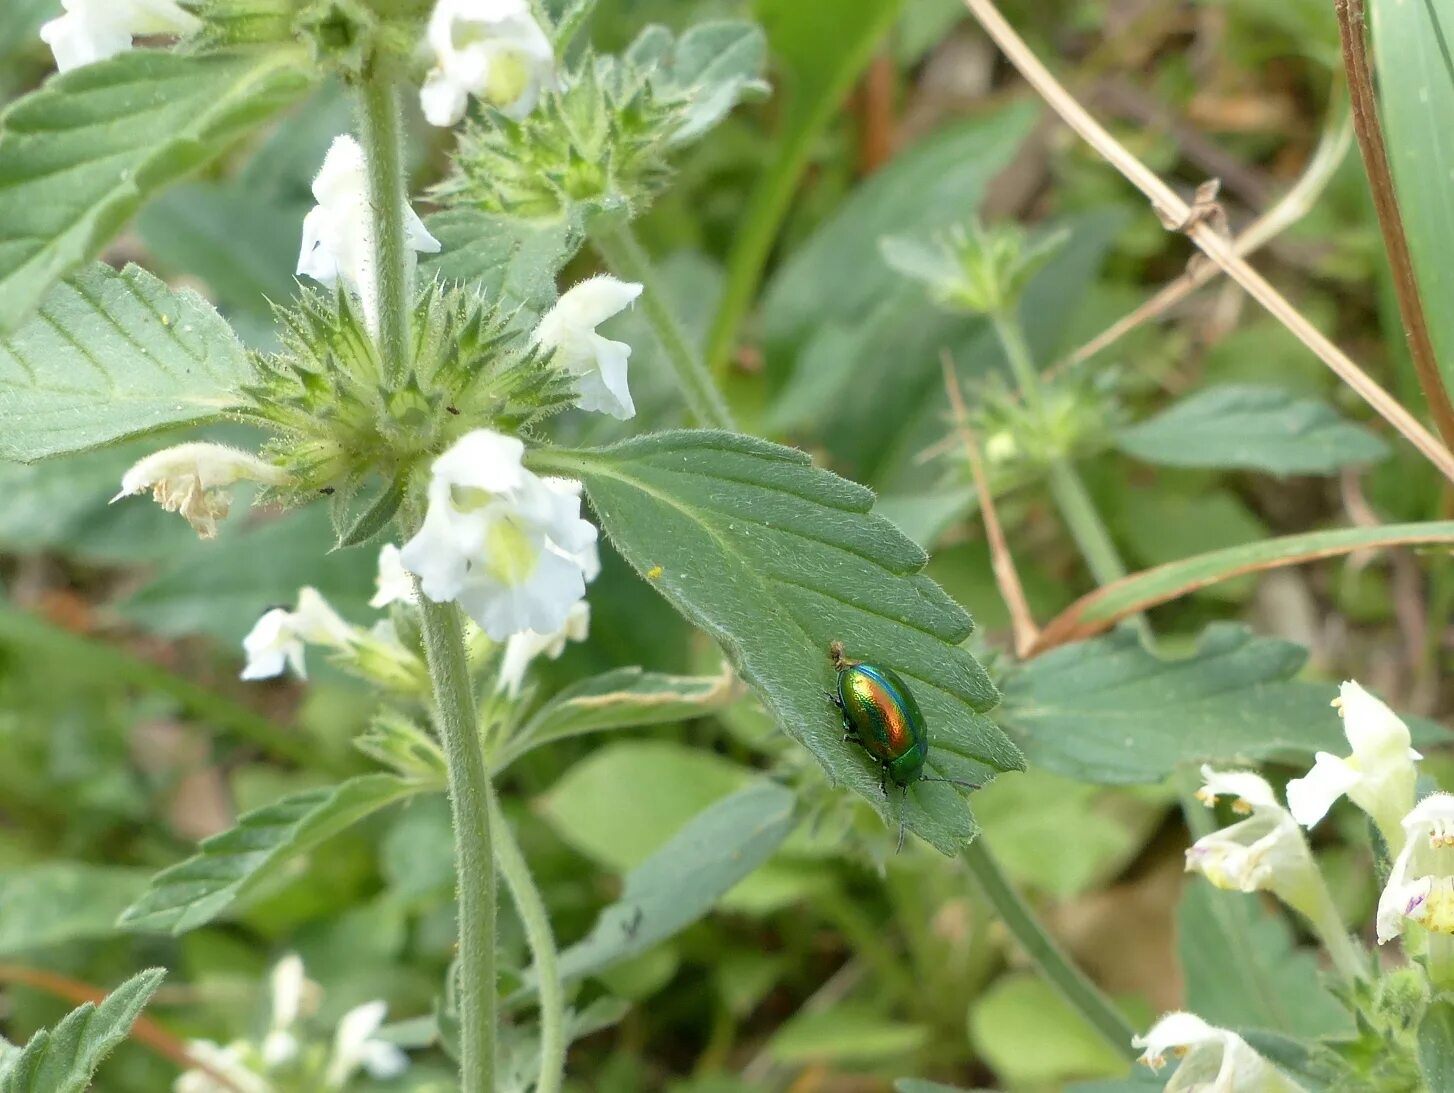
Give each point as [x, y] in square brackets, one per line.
[954, 782]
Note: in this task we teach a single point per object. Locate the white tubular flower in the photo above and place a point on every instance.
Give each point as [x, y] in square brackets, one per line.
[1213, 1060]
[92, 30]
[1421, 883]
[230, 1061]
[509, 547]
[492, 49]
[524, 647]
[568, 330]
[1265, 852]
[355, 1046]
[338, 234]
[393, 583]
[1378, 777]
[276, 641]
[294, 996]
[193, 479]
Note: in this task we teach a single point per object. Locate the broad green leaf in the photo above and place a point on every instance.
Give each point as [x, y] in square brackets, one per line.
[601, 808]
[777, 559]
[195, 891]
[1108, 605]
[54, 902]
[839, 274]
[62, 1059]
[1412, 54]
[1242, 969]
[849, 1032]
[1109, 711]
[1033, 1038]
[1251, 428]
[1436, 1043]
[819, 47]
[621, 699]
[680, 882]
[710, 68]
[111, 354]
[1177, 520]
[85, 151]
[509, 260]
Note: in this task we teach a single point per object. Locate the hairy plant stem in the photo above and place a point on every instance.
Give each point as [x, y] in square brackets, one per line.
[383, 147]
[533, 916]
[474, 858]
[1049, 958]
[627, 259]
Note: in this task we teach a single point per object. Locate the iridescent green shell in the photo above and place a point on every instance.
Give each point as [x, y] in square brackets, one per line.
[880, 710]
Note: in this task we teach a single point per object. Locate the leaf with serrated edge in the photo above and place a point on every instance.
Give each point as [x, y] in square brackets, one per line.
[195, 891]
[62, 1059]
[111, 354]
[85, 151]
[623, 698]
[775, 559]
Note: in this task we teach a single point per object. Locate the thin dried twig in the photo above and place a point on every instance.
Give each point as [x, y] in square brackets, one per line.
[1178, 215]
[1288, 210]
[144, 1030]
[1385, 203]
[1022, 622]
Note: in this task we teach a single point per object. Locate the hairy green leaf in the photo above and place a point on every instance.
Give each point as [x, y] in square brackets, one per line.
[62, 1059]
[710, 68]
[54, 902]
[776, 559]
[195, 891]
[510, 260]
[1109, 711]
[620, 699]
[681, 881]
[1251, 428]
[85, 151]
[111, 354]
[1436, 1043]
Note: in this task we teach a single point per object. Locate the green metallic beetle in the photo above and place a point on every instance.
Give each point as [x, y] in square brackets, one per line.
[881, 716]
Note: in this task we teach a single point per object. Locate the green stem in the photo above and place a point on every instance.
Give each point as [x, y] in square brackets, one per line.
[1048, 957]
[1012, 341]
[627, 259]
[531, 909]
[867, 941]
[393, 261]
[469, 799]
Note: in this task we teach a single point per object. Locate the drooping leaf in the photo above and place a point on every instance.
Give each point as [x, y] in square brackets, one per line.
[1251, 428]
[85, 151]
[1109, 711]
[681, 881]
[710, 68]
[55, 902]
[1412, 54]
[775, 560]
[1243, 970]
[620, 699]
[110, 354]
[508, 259]
[1106, 606]
[195, 891]
[62, 1059]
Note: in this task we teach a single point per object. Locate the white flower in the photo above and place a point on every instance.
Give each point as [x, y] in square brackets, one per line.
[1265, 852]
[524, 647]
[92, 30]
[393, 583]
[1213, 1060]
[277, 639]
[354, 1046]
[338, 233]
[509, 547]
[1421, 883]
[493, 49]
[568, 330]
[1378, 777]
[230, 1061]
[192, 479]
[294, 996]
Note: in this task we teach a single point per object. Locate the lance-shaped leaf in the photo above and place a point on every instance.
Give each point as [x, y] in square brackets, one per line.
[680, 882]
[776, 559]
[1255, 428]
[111, 354]
[83, 153]
[195, 891]
[62, 1059]
[620, 699]
[709, 69]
